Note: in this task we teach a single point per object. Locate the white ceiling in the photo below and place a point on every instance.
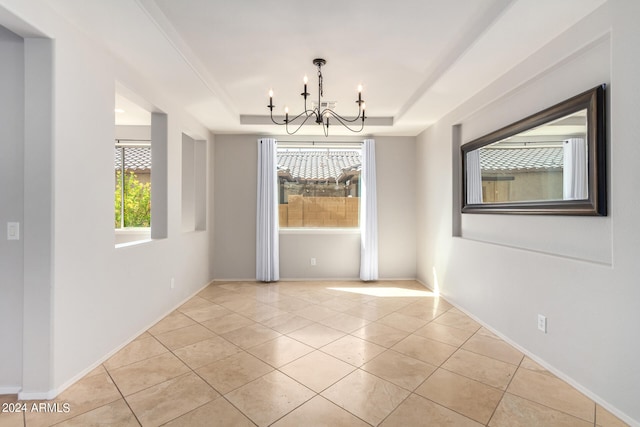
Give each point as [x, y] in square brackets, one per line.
[417, 59]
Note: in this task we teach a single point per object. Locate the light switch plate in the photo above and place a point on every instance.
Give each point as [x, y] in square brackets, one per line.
[13, 231]
[542, 323]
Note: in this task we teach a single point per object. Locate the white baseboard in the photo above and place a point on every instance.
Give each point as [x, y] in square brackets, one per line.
[321, 279]
[9, 390]
[38, 395]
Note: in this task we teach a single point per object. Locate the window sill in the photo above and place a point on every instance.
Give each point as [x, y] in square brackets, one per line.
[194, 231]
[132, 236]
[319, 230]
[133, 243]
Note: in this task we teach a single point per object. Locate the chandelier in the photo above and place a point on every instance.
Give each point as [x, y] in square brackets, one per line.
[321, 115]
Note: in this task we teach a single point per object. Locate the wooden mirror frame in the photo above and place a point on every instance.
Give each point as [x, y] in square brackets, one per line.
[594, 102]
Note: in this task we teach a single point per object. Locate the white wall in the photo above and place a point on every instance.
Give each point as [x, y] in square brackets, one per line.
[582, 273]
[142, 132]
[337, 253]
[11, 207]
[117, 292]
[234, 235]
[37, 337]
[396, 181]
[103, 296]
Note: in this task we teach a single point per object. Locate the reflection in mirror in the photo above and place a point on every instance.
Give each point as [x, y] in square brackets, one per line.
[552, 162]
[548, 162]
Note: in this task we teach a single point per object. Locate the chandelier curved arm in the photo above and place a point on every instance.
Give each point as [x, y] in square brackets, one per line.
[286, 127]
[342, 119]
[344, 122]
[295, 118]
[307, 113]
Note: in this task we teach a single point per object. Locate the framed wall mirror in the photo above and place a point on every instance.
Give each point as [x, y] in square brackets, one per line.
[552, 162]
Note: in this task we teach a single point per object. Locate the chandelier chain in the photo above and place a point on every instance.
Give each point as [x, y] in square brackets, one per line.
[320, 80]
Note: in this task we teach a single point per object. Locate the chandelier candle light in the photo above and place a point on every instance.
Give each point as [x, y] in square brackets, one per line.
[321, 114]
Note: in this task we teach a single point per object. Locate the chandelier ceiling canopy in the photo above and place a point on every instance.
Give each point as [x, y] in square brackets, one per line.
[320, 111]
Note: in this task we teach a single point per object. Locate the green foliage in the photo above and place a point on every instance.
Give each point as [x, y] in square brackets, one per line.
[137, 201]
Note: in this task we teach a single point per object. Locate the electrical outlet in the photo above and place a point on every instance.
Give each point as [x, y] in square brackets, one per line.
[542, 323]
[312, 261]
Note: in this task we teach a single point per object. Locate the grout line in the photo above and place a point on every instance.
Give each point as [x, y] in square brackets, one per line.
[122, 395]
[542, 404]
[192, 410]
[396, 408]
[86, 411]
[504, 392]
[221, 395]
[440, 366]
[301, 404]
[551, 408]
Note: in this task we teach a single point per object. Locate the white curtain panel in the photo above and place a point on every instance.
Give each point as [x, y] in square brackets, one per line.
[368, 214]
[574, 174]
[474, 177]
[267, 243]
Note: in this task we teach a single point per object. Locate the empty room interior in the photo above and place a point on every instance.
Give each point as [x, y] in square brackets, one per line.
[302, 214]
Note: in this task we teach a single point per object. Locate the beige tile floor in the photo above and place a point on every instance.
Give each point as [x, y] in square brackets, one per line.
[318, 354]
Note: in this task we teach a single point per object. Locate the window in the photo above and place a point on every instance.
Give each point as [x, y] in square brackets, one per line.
[319, 186]
[140, 129]
[132, 193]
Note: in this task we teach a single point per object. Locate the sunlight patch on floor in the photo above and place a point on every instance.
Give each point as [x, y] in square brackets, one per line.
[386, 292]
[436, 285]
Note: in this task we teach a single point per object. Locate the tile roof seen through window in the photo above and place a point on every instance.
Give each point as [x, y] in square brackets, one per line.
[135, 158]
[521, 159]
[318, 165]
